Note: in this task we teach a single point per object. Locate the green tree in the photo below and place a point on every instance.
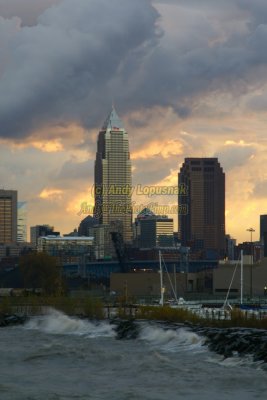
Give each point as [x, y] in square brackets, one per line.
[41, 271]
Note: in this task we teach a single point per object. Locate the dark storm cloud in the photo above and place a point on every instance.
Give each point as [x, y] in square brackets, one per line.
[217, 50]
[61, 69]
[80, 55]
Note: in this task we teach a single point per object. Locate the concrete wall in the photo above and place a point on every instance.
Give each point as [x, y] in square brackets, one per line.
[145, 284]
[148, 283]
[223, 274]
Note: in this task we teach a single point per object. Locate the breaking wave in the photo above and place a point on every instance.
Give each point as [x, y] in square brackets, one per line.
[58, 323]
[171, 340]
[237, 360]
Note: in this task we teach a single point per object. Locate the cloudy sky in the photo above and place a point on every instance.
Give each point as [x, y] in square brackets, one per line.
[188, 78]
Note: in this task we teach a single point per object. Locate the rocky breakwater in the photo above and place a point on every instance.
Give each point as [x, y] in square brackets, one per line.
[9, 320]
[241, 341]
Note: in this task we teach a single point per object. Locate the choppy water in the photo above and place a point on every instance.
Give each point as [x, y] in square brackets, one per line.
[55, 357]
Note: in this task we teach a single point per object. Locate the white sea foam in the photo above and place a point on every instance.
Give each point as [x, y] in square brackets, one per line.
[235, 360]
[171, 339]
[56, 322]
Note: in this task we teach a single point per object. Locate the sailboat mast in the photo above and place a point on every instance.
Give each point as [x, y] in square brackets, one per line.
[161, 280]
[241, 277]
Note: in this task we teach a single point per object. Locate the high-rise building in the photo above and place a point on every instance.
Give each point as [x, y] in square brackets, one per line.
[263, 226]
[104, 248]
[8, 216]
[202, 226]
[113, 180]
[22, 222]
[263, 233]
[41, 231]
[230, 245]
[153, 230]
[87, 223]
[65, 247]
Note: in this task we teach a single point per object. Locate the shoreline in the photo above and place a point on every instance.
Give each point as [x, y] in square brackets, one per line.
[226, 341]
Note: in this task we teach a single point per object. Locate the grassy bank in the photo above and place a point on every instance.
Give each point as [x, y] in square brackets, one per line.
[93, 308]
[180, 315]
[35, 305]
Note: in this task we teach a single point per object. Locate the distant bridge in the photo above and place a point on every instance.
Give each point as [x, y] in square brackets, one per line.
[103, 269]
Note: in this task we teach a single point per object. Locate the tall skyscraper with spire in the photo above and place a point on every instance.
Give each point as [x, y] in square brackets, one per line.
[113, 177]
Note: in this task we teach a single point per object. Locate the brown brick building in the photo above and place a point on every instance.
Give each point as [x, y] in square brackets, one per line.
[202, 227]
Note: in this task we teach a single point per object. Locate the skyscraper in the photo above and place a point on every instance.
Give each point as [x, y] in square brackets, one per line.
[202, 227]
[113, 180]
[8, 216]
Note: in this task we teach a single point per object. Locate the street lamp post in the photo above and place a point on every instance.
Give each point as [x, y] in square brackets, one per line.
[251, 230]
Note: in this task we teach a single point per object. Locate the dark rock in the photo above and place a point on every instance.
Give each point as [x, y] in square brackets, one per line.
[8, 320]
[237, 340]
[127, 329]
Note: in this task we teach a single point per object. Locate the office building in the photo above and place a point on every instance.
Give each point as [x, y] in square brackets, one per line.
[22, 222]
[87, 223]
[263, 226]
[113, 179]
[230, 245]
[68, 249]
[202, 206]
[153, 230]
[8, 216]
[40, 231]
[104, 248]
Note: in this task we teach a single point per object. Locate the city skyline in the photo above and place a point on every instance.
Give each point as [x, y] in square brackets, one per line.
[188, 80]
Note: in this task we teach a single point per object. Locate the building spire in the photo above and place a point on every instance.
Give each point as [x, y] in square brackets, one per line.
[113, 121]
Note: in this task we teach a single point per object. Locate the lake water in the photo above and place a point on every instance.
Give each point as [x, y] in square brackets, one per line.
[55, 357]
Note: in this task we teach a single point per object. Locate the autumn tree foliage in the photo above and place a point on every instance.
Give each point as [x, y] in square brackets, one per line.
[41, 271]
